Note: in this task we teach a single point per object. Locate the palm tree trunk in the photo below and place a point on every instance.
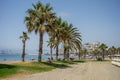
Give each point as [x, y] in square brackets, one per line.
[64, 53]
[57, 52]
[23, 51]
[96, 57]
[51, 52]
[79, 55]
[85, 55]
[68, 54]
[110, 55]
[103, 55]
[40, 47]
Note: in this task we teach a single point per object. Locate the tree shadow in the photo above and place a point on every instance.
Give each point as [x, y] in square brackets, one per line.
[68, 62]
[80, 61]
[56, 65]
[6, 66]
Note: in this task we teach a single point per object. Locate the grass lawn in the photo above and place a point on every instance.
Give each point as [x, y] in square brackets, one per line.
[32, 67]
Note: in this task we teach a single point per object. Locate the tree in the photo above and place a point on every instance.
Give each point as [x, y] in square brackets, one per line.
[96, 53]
[57, 34]
[118, 50]
[51, 32]
[112, 50]
[103, 49]
[83, 52]
[71, 39]
[24, 38]
[51, 44]
[80, 53]
[65, 31]
[67, 34]
[37, 20]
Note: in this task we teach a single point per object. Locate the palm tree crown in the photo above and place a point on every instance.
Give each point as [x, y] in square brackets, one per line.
[37, 20]
[24, 37]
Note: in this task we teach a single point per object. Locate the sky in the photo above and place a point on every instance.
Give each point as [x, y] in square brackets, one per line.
[97, 20]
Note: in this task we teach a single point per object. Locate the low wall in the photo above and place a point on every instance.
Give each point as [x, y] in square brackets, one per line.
[116, 62]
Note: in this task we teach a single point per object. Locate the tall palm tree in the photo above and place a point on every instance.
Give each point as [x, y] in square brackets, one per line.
[65, 31]
[96, 53]
[51, 44]
[37, 20]
[81, 53]
[103, 48]
[109, 53]
[51, 32]
[118, 50]
[24, 38]
[84, 52]
[112, 50]
[71, 39]
[57, 34]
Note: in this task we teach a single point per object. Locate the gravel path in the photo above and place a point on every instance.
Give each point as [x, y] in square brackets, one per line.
[81, 71]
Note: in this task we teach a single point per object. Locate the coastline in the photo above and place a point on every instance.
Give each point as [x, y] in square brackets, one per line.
[14, 61]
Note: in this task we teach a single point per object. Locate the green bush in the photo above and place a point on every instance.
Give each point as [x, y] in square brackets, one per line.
[99, 59]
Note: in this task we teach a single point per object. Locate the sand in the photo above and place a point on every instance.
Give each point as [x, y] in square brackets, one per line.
[80, 71]
[12, 62]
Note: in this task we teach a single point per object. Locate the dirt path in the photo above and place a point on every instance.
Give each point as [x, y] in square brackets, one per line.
[81, 71]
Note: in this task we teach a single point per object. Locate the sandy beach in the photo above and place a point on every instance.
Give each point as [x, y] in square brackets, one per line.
[80, 71]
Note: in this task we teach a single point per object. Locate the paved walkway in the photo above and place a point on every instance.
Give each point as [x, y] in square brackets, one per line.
[80, 71]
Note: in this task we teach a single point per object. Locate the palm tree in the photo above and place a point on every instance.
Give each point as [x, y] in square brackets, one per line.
[84, 52]
[24, 37]
[118, 50]
[51, 44]
[96, 53]
[37, 20]
[51, 32]
[57, 34]
[71, 39]
[103, 49]
[112, 50]
[81, 52]
[79, 55]
[65, 31]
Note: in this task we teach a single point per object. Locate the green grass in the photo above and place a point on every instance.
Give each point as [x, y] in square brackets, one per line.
[79, 61]
[7, 70]
[33, 67]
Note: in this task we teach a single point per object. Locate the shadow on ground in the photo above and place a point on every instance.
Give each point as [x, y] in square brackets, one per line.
[7, 66]
[56, 65]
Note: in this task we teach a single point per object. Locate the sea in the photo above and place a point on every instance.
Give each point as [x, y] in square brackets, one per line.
[16, 57]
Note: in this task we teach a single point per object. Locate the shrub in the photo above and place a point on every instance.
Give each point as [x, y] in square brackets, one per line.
[99, 59]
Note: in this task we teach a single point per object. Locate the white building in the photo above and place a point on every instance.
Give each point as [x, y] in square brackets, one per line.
[91, 46]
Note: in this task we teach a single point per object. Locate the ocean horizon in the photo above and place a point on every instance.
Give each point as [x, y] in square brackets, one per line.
[16, 57]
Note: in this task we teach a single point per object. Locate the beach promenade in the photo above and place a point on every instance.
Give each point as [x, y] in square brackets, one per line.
[80, 71]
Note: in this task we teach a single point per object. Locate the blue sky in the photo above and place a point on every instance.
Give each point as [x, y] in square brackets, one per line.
[97, 20]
